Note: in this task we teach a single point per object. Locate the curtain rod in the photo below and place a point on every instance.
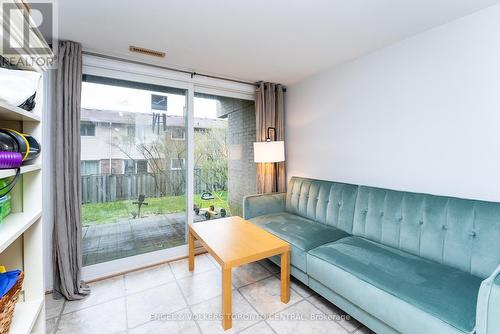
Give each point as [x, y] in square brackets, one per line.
[170, 68]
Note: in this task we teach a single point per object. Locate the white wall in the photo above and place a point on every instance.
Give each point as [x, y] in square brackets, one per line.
[421, 115]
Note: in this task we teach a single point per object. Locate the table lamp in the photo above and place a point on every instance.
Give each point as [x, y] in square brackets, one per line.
[269, 151]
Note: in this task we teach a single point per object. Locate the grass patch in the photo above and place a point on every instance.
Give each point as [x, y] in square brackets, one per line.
[105, 213]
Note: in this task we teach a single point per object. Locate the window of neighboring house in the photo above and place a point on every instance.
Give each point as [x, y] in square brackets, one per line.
[142, 166]
[176, 164]
[89, 167]
[158, 102]
[131, 130]
[177, 134]
[116, 166]
[87, 129]
[129, 166]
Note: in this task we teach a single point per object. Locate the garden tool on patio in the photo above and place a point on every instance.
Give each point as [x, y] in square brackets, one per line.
[140, 202]
[210, 211]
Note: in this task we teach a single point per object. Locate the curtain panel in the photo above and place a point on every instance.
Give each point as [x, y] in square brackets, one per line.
[270, 112]
[67, 233]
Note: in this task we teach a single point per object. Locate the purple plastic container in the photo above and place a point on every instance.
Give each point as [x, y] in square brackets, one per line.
[10, 160]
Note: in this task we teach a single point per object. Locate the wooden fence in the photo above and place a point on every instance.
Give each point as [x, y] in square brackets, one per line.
[116, 187]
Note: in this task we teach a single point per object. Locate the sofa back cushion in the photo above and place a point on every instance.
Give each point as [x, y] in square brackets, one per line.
[463, 234]
[326, 202]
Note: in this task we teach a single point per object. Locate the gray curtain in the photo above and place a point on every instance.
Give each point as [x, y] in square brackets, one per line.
[67, 251]
[270, 112]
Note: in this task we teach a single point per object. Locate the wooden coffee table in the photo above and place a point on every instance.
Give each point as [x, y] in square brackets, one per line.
[233, 241]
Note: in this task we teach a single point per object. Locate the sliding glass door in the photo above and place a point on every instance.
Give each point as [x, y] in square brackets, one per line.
[133, 175]
[224, 171]
[157, 154]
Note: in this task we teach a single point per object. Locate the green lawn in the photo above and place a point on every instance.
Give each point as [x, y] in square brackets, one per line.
[105, 213]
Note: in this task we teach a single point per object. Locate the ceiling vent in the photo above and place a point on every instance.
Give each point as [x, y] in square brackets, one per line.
[148, 52]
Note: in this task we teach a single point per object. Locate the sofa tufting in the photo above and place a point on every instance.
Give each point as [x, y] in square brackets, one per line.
[398, 262]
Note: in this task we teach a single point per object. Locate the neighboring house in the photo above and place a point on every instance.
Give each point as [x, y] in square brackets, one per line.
[110, 138]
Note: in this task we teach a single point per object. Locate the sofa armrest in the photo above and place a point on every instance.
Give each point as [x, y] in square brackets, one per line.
[258, 205]
[488, 305]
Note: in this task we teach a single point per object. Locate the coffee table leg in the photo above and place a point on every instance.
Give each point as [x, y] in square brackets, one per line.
[191, 249]
[285, 277]
[226, 299]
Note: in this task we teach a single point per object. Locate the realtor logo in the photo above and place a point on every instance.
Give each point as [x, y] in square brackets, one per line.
[23, 26]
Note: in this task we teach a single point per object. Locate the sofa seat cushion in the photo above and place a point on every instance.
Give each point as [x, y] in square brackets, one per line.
[444, 292]
[302, 234]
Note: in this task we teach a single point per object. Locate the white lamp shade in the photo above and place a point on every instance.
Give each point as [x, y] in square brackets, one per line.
[270, 151]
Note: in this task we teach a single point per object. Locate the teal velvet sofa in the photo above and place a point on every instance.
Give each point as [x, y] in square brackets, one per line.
[398, 262]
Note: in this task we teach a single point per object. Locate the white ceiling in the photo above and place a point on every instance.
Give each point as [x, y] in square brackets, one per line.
[279, 41]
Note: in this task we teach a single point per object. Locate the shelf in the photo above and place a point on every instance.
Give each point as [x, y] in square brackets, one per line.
[9, 112]
[21, 233]
[25, 316]
[14, 225]
[24, 169]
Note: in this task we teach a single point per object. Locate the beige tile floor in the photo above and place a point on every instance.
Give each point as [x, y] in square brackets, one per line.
[169, 299]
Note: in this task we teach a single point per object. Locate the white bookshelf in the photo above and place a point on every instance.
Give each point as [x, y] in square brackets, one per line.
[24, 169]
[15, 225]
[12, 113]
[25, 316]
[21, 233]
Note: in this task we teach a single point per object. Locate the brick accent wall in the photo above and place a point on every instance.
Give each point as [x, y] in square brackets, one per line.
[241, 167]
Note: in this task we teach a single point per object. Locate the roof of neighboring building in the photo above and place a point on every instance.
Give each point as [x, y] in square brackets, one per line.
[127, 117]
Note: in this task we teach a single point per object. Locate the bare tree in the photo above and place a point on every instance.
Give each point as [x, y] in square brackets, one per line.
[156, 151]
[211, 154]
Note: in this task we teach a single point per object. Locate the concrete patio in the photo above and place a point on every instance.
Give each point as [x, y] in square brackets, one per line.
[130, 237]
